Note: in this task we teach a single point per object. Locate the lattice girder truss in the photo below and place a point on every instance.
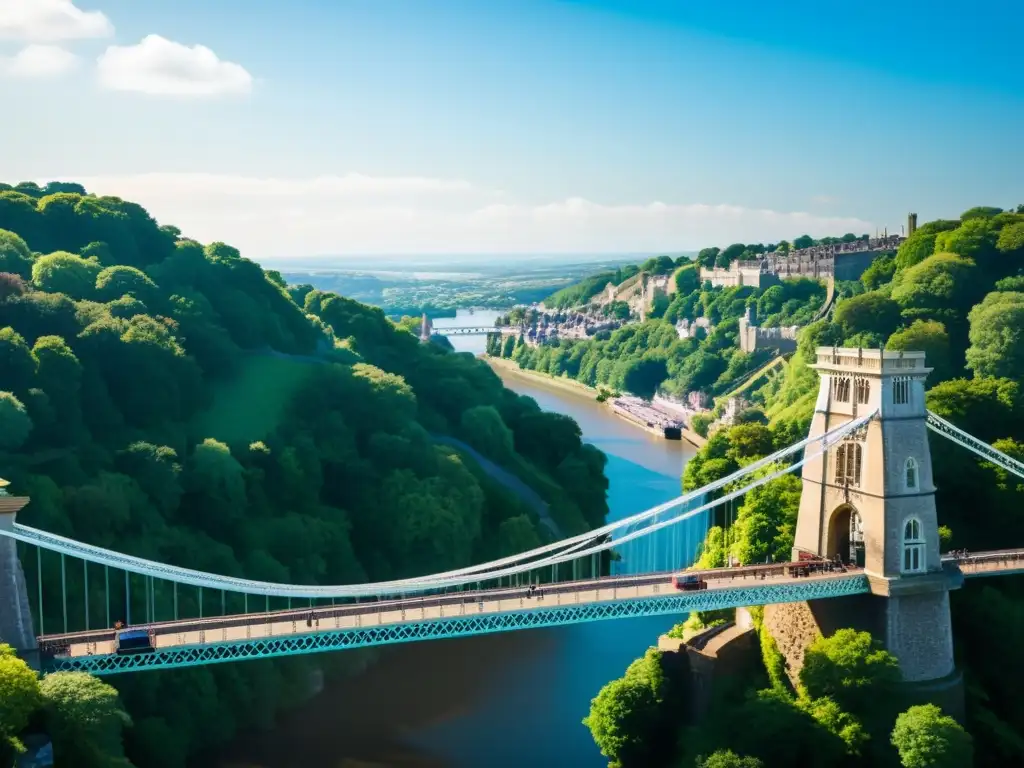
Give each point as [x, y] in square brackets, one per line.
[462, 626]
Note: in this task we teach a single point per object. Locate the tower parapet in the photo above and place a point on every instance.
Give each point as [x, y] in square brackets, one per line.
[426, 328]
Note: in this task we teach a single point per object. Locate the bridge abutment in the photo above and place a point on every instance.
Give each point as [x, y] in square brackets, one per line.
[16, 627]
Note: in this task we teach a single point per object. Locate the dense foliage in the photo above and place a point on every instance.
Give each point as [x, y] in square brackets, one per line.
[954, 290]
[82, 715]
[632, 717]
[125, 352]
[926, 738]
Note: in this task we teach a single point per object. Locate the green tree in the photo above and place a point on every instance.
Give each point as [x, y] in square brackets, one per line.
[484, 430]
[987, 408]
[879, 273]
[926, 738]
[930, 337]
[851, 668]
[19, 693]
[84, 717]
[842, 724]
[63, 272]
[628, 719]
[17, 365]
[15, 424]
[980, 212]
[766, 521]
[997, 336]
[643, 377]
[687, 279]
[939, 287]
[726, 758]
[115, 282]
[1011, 239]
[869, 312]
[781, 733]
[707, 257]
[517, 534]
[15, 256]
[975, 239]
[921, 244]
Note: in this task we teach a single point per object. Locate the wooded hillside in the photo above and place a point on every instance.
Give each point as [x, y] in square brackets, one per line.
[125, 351]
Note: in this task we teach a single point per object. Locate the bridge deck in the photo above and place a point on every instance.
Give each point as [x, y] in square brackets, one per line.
[190, 642]
[194, 641]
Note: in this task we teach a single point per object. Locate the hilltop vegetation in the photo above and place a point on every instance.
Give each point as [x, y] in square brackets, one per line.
[955, 289]
[133, 364]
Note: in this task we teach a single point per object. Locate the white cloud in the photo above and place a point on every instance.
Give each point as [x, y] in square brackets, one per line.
[45, 21]
[393, 215]
[39, 61]
[165, 68]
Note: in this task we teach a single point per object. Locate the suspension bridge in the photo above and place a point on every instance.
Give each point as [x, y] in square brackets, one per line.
[867, 522]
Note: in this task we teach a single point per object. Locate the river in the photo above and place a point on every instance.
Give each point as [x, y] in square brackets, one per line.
[497, 701]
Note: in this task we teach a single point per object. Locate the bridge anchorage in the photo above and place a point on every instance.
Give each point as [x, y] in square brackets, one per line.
[868, 501]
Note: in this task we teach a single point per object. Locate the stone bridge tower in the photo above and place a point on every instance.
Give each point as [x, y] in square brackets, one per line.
[426, 328]
[15, 617]
[871, 500]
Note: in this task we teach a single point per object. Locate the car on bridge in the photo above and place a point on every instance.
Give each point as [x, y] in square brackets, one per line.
[130, 641]
[689, 582]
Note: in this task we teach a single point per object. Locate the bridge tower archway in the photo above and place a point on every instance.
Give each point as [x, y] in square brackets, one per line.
[846, 536]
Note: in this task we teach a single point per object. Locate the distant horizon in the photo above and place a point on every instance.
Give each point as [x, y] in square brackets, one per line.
[461, 265]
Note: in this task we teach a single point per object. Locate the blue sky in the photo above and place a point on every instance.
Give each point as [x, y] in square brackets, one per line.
[526, 125]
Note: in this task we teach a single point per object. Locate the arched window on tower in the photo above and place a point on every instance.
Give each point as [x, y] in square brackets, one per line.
[848, 463]
[863, 390]
[900, 390]
[910, 472]
[913, 546]
[842, 390]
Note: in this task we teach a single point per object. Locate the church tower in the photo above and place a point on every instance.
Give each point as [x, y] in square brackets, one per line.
[871, 499]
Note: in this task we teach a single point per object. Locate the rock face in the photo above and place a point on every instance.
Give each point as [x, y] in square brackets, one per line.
[793, 627]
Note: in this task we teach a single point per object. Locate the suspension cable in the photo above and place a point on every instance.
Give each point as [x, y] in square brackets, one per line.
[574, 547]
[956, 435]
[436, 581]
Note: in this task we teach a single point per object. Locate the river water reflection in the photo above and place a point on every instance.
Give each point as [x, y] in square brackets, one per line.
[498, 701]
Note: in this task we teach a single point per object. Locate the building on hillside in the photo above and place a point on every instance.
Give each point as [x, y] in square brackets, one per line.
[688, 330]
[753, 338]
[844, 261]
[698, 401]
[753, 273]
[733, 408]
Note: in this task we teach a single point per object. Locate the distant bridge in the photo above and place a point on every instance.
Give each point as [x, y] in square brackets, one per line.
[427, 330]
[478, 331]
